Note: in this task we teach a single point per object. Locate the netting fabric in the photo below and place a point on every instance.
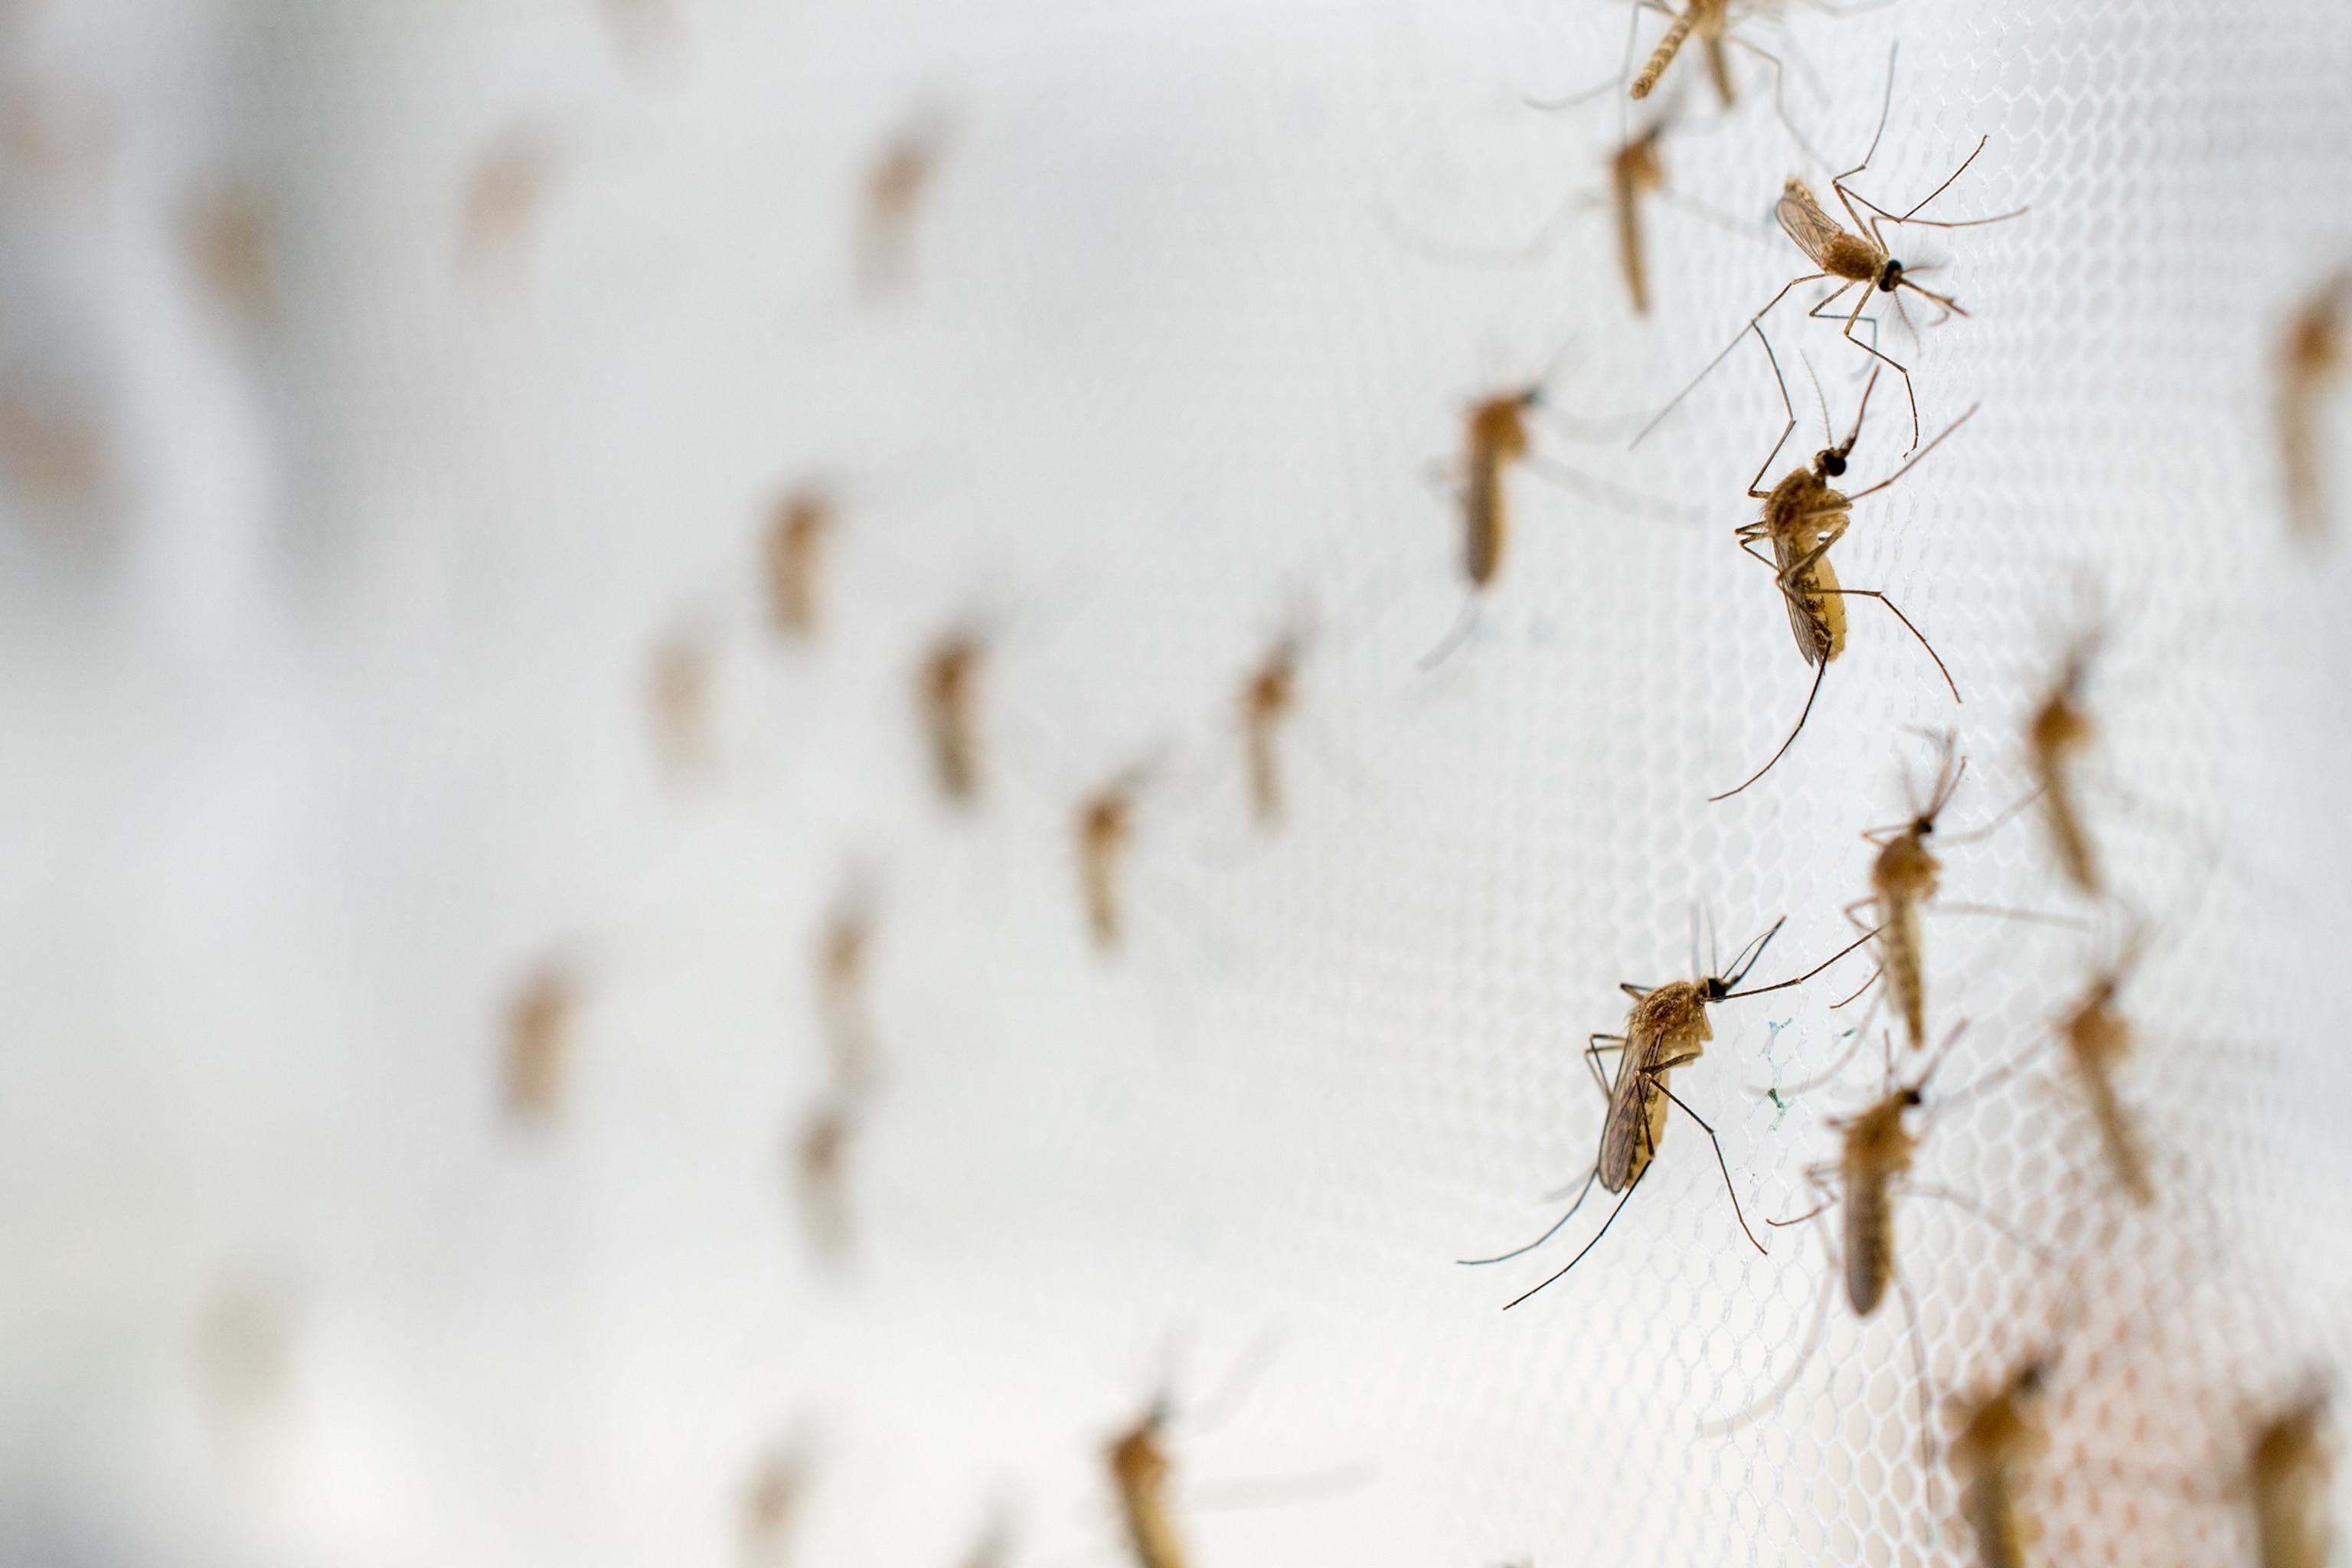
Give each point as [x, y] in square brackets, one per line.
[394, 399]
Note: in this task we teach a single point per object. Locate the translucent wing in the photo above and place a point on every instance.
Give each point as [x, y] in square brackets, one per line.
[1802, 219]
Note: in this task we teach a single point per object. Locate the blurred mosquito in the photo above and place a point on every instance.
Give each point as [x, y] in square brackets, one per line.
[803, 526]
[2098, 1040]
[1495, 440]
[1268, 700]
[948, 689]
[1876, 1154]
[2310, 362]
[2288, 1481]
[2002, 1437]
[844, 958]
[896, 184]
[502, 199]
[1666, 1029]
[1859, 258]
[540, 1024]
[1802, 518]
[1106, 832]
[820, 1159]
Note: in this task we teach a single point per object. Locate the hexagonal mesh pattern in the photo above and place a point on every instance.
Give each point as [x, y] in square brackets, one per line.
[1190, 317]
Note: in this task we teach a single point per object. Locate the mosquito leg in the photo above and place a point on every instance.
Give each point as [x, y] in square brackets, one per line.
[1900, 369]
[1819, 670]
[1719, 359]
[1725, 1165]
[1963, 1201]
[1547, 1235]
[1898, 615]
[1786, 430]
[1588, 1246]
[1780, 101]
[1591, 1054]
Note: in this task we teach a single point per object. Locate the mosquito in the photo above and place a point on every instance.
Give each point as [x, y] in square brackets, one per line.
[1106, 830]
[843, 959]
[1903, 876]
[2002, 1437]
[1665, 1028]
[2310, 362]
[2288, 1482]
[820, 1159]
[680, 691]
[2097, 1037]
[896, 184]
[772, 1496]
[1139, 1468]
[948, 688]
[2059, 729]
[1802, 518]
[1268, 700]
[540, 1024]
[1858, 259]
[502, 199]
[801, 528]
[1495, 440]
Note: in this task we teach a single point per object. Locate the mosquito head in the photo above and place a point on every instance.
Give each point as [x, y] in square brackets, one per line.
[1909, 1097]
[1890, 276]
[1829, 462]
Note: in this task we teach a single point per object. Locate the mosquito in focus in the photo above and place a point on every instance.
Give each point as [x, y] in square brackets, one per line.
[798, 537]
[1861, 258]
[1666, 1027]
[1802, 518]
[948, 689]
[2310, 363]
[2288, 1481]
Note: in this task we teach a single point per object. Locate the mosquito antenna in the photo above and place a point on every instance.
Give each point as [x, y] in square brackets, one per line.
[1547, 1235]
[1820, 401]
[1808, 974]
[1588, 1246]
[1745, 959]
[1819, 670]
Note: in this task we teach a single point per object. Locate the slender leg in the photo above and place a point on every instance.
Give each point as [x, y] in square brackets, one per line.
[1725, 1165]
[1819, 670]
[1588, 1246]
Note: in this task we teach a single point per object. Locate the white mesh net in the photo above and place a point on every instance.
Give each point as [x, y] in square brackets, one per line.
[339, 547]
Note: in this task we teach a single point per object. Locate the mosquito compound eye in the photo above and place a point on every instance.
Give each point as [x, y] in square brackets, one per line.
[1831, 463]
[1889, 277]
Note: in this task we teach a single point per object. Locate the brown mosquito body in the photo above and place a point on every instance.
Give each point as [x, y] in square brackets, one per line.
[2002, 1437]
[502, 199]
[2311, 360]
[896, 185]
[948, 688]
[1903, 878]
[1853, 259]
[1706, 23]
[1665, 1028]
[1804, 515]
[1269, 698]
[540, 1024]
[1106, 831]
[2097, 1038]
[2288, 1481]
[680, 691]
[1139, 1469]
[797, 537]
[843, 959]
[229, 235]
[1636, 169]
[2059, 732]
[772, 1499]
[821, 1169]
[1494, 438]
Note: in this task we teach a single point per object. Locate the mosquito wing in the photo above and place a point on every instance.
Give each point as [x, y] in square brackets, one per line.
[1802, 220]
